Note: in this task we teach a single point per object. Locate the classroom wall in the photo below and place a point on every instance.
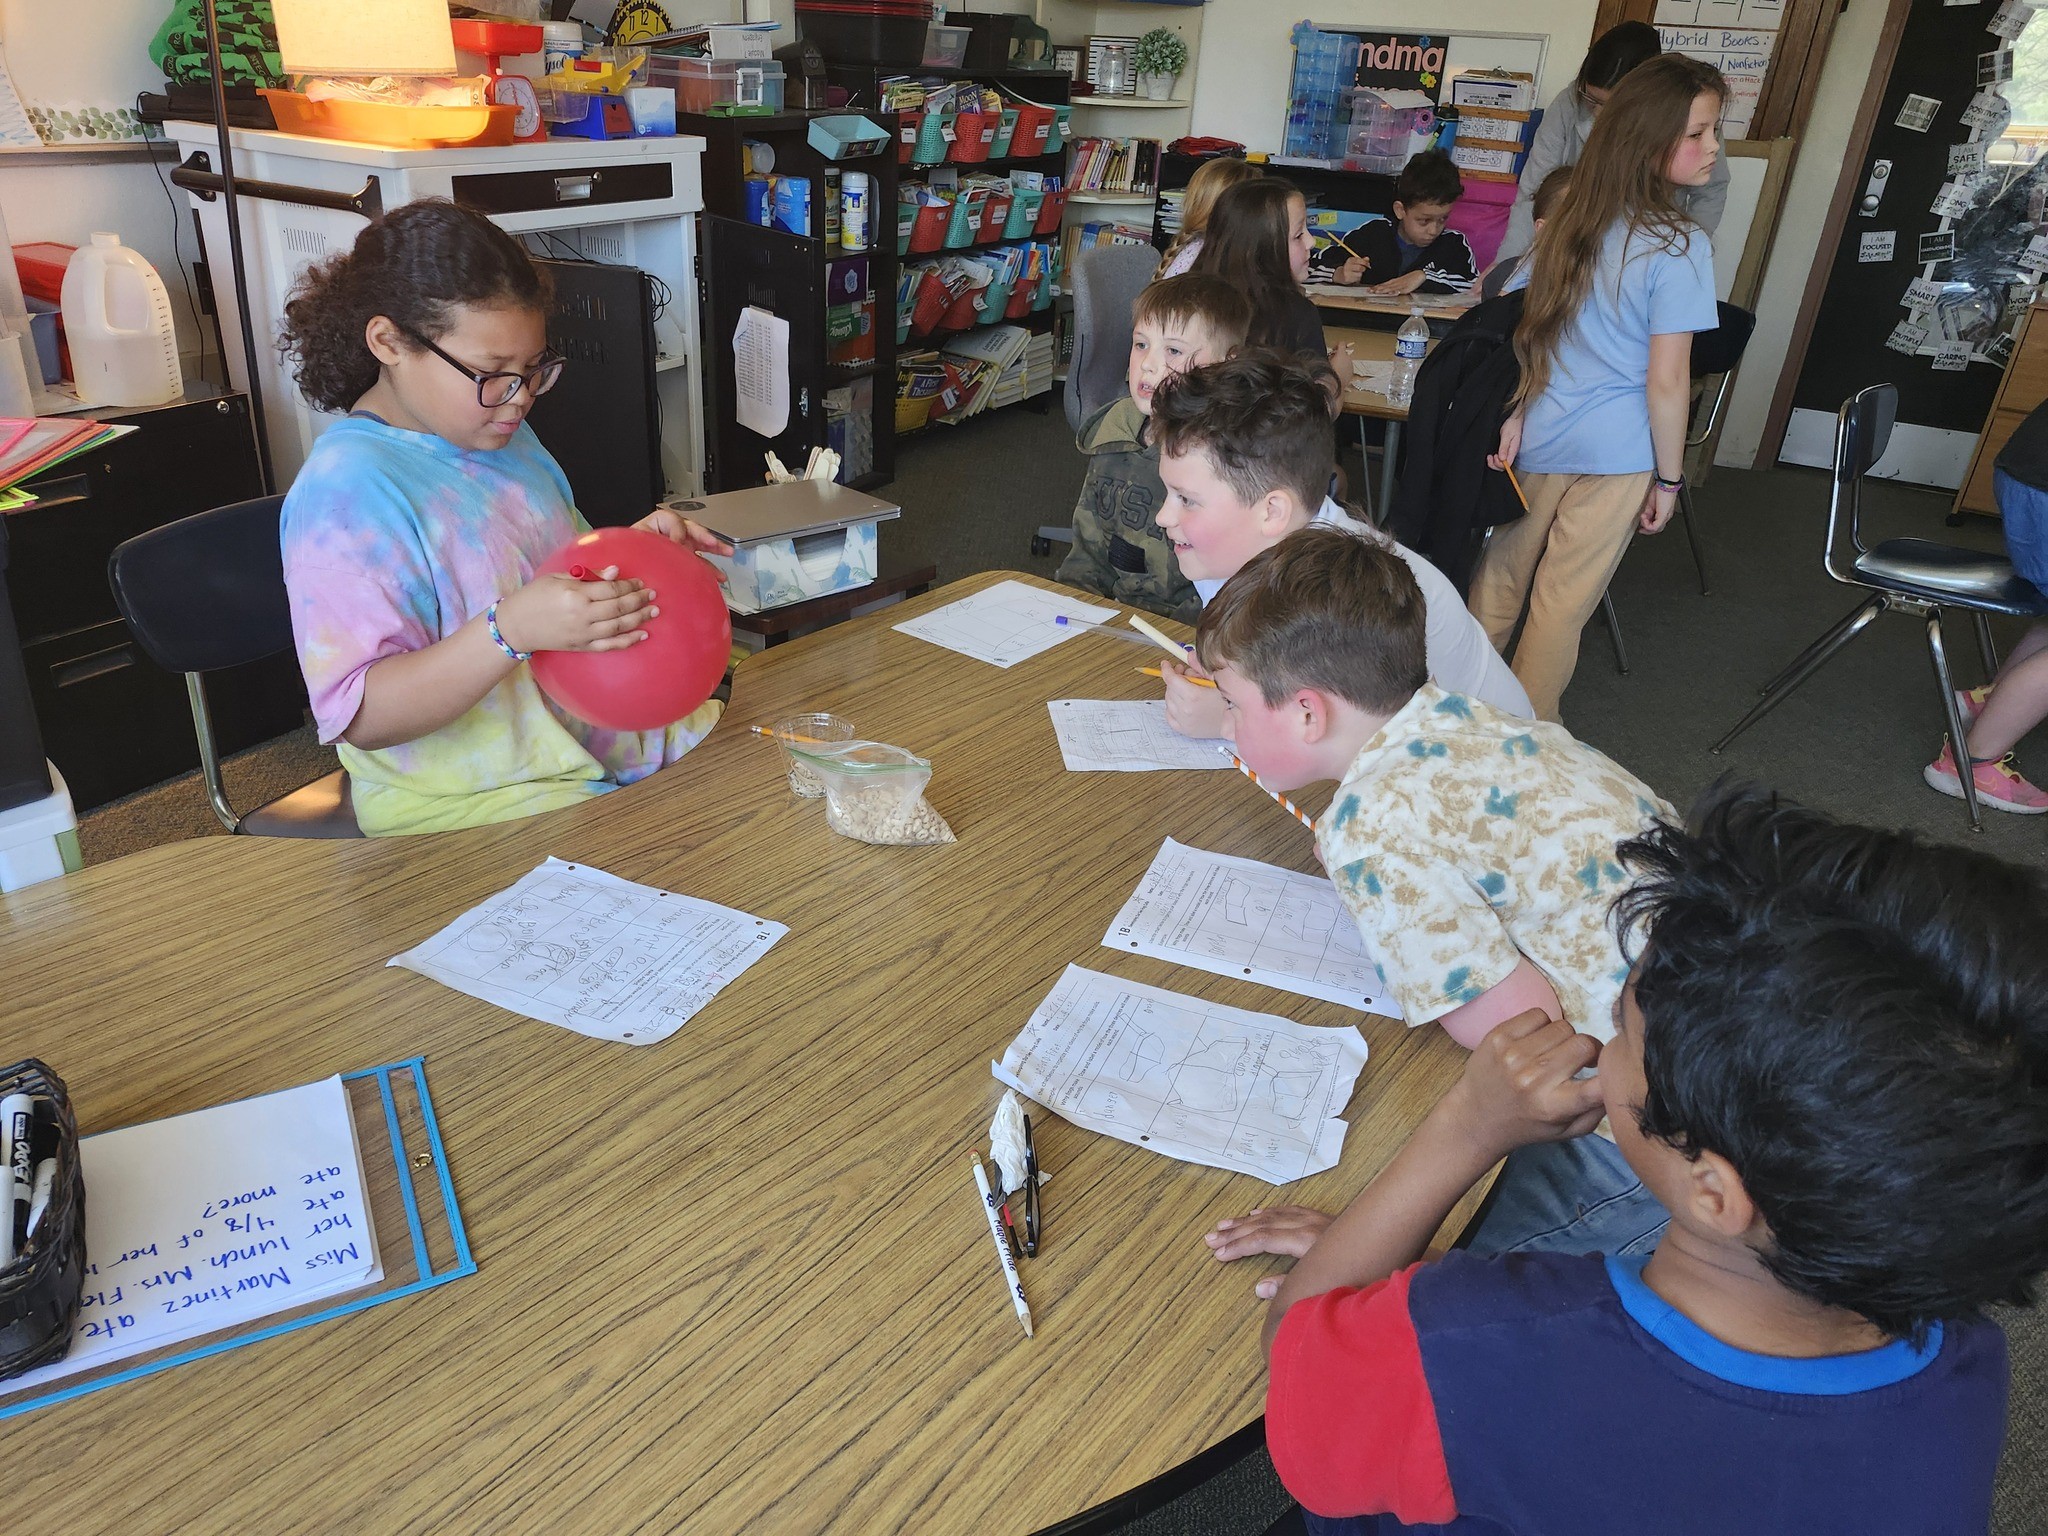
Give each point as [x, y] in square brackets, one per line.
[1245, 59]
[1843, 78]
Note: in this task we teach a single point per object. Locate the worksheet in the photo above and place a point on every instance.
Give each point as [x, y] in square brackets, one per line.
[1005, 624]
[210, 1220]
[1127, 736]
[1238, 917]
[574, 946]
[1223, 1087]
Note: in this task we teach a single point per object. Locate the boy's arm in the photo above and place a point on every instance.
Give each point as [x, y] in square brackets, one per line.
[1519, 1087]
[1448, 266]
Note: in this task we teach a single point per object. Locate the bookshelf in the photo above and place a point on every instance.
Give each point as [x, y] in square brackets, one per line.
[841, 389]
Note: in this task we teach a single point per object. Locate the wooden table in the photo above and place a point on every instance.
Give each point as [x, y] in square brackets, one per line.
[1370, 404]
[1439, 309]
[736, 1281]
[775, 624]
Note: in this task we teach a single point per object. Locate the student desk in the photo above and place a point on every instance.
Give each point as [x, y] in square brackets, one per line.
[1440, 309]
[738, 1280]
[1370, 347]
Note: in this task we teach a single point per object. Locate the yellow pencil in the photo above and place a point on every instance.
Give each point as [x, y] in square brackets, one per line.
[1519, 495]
[1199, 682]
[809, 741]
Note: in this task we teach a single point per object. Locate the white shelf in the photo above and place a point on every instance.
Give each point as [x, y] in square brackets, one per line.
[1141, 103]
[1111, 197]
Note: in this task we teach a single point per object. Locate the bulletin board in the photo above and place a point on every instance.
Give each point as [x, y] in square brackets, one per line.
[1737, 37]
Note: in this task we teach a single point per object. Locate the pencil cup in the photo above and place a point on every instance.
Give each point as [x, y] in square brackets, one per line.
[40, 1290]
[803, 783]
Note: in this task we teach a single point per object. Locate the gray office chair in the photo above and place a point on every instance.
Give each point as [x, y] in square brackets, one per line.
[207, 592]
[1107, 281]
[1915, 576]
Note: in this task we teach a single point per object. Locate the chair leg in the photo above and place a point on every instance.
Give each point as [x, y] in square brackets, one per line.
[209, 754]
[1372, 512]
[1959, 738]
[1692, 535]
[1986, 646]
[1614, 631]
[1806, 663]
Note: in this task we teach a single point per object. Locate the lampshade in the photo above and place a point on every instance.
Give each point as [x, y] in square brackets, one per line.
[365, 37]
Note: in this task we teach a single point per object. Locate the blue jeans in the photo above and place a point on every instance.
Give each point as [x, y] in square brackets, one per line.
[2024, 513]
[1577, 1196]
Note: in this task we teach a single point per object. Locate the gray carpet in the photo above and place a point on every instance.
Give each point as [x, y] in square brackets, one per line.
[1852, 742]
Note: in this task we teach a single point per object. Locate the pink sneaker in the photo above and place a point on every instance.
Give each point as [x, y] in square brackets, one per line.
[1999, 784]
[1971, 702]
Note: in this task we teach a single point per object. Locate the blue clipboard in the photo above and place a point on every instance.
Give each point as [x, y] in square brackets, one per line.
[394, 1115]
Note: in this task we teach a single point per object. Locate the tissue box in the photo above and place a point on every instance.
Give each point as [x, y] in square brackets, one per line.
[805, 539]
[39, 841]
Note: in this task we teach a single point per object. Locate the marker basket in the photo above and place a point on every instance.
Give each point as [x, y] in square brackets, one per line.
[40, 1290]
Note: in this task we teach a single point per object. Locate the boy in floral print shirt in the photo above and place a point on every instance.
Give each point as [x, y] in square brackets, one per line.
[1475, 849]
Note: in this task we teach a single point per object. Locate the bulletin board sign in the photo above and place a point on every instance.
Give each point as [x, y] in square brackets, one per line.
[1402, 61]
[1737, 37]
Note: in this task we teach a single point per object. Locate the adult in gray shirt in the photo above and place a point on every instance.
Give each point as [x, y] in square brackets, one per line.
[1562, 136]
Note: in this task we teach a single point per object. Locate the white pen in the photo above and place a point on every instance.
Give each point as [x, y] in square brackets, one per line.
[17, 1127]
[995, 1230]
[39, 1201]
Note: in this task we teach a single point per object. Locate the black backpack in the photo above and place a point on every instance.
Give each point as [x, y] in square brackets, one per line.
[1447, 498]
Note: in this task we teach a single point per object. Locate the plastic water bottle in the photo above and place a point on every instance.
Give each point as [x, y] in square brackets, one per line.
[1411, 344]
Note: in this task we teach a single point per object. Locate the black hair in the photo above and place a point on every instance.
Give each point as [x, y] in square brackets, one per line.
[1429, 177]
[1617, 51]
[415, 266]
[1858, 1022]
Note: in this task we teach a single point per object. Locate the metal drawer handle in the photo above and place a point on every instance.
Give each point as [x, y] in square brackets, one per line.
[576, 189]
[101, 664]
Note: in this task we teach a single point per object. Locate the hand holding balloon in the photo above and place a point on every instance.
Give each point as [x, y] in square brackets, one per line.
[635, 664]
[564, 612]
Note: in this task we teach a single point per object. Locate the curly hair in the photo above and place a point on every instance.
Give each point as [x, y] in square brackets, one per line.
[415, 266]
[1858, 1022]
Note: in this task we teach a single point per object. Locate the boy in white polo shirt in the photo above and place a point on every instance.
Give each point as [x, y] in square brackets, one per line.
[1245, 455]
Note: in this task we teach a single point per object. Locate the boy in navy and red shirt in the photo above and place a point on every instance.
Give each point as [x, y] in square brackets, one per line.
[1831, 1066]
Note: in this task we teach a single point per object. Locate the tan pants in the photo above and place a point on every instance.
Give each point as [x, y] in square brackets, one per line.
[1559, 557]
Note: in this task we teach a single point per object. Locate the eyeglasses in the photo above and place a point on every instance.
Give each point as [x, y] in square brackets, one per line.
[497, 389]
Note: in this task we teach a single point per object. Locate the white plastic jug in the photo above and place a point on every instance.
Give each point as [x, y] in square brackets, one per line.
[117, 318]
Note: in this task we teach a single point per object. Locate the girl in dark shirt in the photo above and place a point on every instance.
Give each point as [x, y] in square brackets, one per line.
[1258, 242]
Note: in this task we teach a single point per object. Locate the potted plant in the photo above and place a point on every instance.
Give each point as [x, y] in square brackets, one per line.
[1161, 56]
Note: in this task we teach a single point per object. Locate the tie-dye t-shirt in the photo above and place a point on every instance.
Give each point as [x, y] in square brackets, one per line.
[394, 540]
[1463, 838]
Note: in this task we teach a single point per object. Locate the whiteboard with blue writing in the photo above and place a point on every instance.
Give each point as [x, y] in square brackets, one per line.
[209, 1221]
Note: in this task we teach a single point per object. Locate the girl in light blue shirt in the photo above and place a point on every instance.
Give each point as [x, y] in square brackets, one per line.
[1617, 283]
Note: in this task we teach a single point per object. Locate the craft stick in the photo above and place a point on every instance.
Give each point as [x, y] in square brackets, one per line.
[1279, 799]
[809, 741]
[1172, 648]
[1199, 682]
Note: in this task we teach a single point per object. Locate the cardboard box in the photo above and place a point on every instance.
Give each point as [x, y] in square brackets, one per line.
[803, 539]
[1483, 127]
[1485, 162]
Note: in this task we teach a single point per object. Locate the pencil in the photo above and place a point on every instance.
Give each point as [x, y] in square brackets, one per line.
[1279, 799]
[1199, 682]
[1519, 496]
[809, 741]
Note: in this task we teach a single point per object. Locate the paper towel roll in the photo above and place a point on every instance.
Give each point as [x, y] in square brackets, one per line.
[15, 396]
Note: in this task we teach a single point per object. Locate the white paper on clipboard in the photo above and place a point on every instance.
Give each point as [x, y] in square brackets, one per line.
[760, 366]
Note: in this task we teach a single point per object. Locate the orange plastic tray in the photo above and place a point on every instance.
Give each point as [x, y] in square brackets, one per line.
[372, 122]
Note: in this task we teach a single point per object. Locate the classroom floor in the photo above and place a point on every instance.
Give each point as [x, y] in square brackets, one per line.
[1852, 742]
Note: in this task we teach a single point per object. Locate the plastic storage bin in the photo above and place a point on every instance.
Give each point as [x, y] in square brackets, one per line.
[1024, 207]
[907, 125]
[934, 131]
[946, 47]
[1034, 126]
[903, 312]
[1061, 133]
[701, 84]
[906, 221]
[1006, 131]
[1048, 286]
[995, 213]
[974, 134]
[933, 299]
[962, 223]
[866, 33]
[1049, 212]
[964, 311]
[992, 301]
[928, 232]
[1387, 129]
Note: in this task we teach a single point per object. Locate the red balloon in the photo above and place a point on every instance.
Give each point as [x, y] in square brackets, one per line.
[664, 677]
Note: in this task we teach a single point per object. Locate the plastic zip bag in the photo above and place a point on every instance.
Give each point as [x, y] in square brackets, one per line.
[874, 793]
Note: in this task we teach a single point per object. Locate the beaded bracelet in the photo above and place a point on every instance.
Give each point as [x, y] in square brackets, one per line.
[497, 636]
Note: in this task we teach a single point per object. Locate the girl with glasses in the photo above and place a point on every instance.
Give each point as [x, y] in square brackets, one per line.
[413, 530]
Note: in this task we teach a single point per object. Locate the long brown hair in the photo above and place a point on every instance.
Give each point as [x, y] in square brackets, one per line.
[1246, 246]
[1620, 178]
[1211, 180]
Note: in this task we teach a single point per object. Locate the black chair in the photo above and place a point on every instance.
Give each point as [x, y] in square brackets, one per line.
[208, 592]
[1716, 352]
[1915, 576]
